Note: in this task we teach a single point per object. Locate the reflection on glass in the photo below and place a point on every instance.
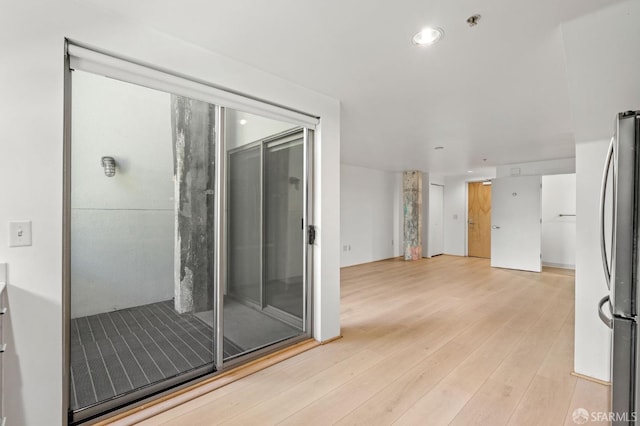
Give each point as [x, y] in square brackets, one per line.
[284, 227]
[141, 240]
[264, 300]
[245, 225]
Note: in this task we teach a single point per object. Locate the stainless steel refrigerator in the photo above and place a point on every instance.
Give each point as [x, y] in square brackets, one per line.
[620, 226]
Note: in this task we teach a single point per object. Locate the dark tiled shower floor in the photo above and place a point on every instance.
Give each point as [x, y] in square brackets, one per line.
[116, 352]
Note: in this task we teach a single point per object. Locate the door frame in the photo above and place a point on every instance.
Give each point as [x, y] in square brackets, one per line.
[466, 210]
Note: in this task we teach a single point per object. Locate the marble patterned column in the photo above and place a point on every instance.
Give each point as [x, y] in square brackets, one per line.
[412, 207]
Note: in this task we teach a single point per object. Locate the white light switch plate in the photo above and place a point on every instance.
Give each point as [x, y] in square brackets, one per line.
[20, 233]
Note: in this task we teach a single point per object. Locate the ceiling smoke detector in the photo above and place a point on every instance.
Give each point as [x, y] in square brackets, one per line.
[473, 20]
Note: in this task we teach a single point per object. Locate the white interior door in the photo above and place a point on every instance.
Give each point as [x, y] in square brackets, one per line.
[436, 219]
[516, 227]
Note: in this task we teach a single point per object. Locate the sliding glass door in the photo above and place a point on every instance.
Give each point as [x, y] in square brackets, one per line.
[188, 229]
[265, 299]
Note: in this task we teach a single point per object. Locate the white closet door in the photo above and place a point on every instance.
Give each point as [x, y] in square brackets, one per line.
[436, 220]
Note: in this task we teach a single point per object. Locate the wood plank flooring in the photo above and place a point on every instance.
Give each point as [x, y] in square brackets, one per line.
[447, 340]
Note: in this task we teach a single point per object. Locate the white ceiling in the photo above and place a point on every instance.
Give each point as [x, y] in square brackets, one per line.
[515, 88]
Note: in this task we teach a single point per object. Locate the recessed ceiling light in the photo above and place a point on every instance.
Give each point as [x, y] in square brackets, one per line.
[428, 36]
[439, 147]
[469, 171]
[243, 122]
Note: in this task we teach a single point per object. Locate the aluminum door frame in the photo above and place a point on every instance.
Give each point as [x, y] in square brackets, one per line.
[287, 137]
[309, 223]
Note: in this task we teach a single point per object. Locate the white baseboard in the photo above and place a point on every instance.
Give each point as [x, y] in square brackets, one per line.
[559, 265]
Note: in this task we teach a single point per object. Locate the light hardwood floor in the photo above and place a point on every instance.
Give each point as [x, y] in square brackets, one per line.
[447, 340]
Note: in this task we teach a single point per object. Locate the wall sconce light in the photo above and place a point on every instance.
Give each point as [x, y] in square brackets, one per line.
[294, 181]
[109, 165]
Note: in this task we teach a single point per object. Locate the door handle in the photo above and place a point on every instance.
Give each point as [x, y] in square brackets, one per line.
[311, 237]
[604, 318]
[603, 193]
[495, 227]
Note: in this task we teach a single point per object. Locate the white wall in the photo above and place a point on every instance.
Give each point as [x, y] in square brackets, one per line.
[367, 214]
[559, 232]
[31, 117]
[398, 217]
[548, 167]
[602, 67]
[123, 226]
[592, 337]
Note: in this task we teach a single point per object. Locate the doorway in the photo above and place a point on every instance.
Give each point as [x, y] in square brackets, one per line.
[479, 219]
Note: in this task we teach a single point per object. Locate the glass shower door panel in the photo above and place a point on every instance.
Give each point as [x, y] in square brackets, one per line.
[284, 233]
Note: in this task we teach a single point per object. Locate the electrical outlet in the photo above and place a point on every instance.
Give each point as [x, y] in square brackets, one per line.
[20, 233]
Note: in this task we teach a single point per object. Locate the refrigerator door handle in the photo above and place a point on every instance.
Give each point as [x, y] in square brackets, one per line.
[603, 317]
[603, 191]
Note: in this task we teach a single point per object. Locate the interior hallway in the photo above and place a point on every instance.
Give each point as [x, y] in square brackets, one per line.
[446, 340]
